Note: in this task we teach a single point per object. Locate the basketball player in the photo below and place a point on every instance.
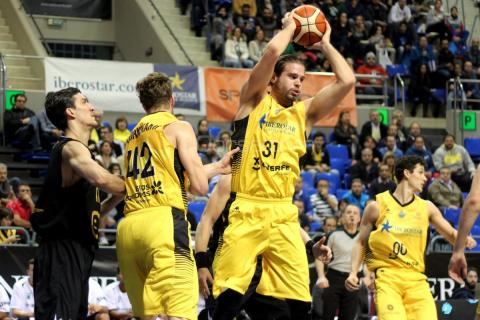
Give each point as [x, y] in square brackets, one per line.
[153, 243]
[457, 268]
[68, 210]
[396, 229]
[270, 131]
[254, 303]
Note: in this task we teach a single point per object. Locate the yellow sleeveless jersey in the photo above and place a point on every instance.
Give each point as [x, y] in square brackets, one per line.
[271, 141]
[155, 176]
[400, 235]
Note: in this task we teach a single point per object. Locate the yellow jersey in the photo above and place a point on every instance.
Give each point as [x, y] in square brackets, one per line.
[7, 233]
[400, 235]
[155, 176]
[271, 140]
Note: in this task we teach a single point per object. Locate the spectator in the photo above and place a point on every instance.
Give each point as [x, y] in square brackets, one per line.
[472, 90]
[22, 304]
[335, 294]
[7, 186]
[22, 206]
[246, 22]
[355, 8]
[391, 146]
[106, 156]
[457, 159]
[356, 196]
[422, 54]
[373, 86]
[95, 133]
[402, 132]
[49, 133]
[329, 225]
[345, 133]
[106, 133]
[257, 46]
[267, 22]
[209, 155]
[303, 218]
[118, 304]
[374, 128]
[341, 34]
[97, 303]
[7, 236]
[300, 195]
[455, 25]
[469, 290]
[474, 53]
[323, 203]
[445, 63]
[414, 131]
[203, 133]
[436, 21]
[239, 7]
[389, 160]
[359, 38]
[365, 169]
[22, 125]
[379, 13]
[445, 193]
[221, 26]
[330, 11]
[121, 132]
[371, 144]
[316, 158]
[419, 149]
[403, 41]
[224, 143]
[400, 12]
[419, 91]
[382, 183]
[385, 53]
[4, 304]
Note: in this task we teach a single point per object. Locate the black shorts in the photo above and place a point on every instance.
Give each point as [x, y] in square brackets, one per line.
[60, 279]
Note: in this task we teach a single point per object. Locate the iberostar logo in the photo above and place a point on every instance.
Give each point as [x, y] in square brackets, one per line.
[177, 82]
[273, 126]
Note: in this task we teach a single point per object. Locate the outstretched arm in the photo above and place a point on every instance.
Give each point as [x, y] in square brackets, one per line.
[253, 90]
[331, 95]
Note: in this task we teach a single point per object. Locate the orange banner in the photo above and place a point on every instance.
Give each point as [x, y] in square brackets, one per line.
[222, 93]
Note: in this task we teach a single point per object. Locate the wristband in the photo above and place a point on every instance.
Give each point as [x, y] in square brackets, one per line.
[201, 259]
[309, 247]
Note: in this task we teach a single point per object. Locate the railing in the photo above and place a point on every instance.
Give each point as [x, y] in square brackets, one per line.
[25, 231]
[440, 241]
[459, 99]
[383, 86]
[398, 80]
[171, 32]
[40, 33]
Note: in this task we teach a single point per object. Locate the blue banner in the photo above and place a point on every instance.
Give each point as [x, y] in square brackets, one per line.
[185, 84]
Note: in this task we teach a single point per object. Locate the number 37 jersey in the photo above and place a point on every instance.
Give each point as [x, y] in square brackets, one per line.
[155, 176]
[400, 235]
[271, 141]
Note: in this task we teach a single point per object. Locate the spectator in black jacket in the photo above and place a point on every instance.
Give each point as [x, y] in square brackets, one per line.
[382, 183]
[468, 291]
[22, 125]
[345, 133]
[365, 169]
[317, 158]
[374, 128]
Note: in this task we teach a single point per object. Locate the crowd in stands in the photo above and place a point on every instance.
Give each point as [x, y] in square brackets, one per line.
[422, 40]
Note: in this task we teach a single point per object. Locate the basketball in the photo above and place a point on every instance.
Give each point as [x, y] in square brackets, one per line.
[311, 25]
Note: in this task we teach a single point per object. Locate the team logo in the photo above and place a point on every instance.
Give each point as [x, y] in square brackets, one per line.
[262, 120]
[386, 226]
[402, 214]
[157, 187]
[390, 307]
[256, 165]
[447, 308]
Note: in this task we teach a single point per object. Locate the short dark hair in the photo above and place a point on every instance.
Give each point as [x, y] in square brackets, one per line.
[318, 134]
[6, 213]
[407, 163]
[20, 95]
[57, 102]
[283, 61]
[120, 119]
[448, 135]
[108, 127]
[154, 90]
[472, 269]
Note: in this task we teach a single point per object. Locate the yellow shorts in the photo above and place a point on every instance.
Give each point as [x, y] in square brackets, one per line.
[403, 295]
[154, 255]
[270, 229]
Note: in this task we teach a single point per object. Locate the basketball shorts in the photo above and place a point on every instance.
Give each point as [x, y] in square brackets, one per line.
[270, 228]
[403, 295]
[154, 255]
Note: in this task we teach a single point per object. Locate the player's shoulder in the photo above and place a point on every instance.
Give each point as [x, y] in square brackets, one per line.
[73, 148]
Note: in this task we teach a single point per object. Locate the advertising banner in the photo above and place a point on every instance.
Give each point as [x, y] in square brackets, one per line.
[94, 9]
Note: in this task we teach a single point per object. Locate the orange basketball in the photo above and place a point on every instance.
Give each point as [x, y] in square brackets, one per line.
[311, 25]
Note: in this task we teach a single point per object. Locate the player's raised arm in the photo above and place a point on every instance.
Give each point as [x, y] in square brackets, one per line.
[253, 90]
[370, 216]
[331, 95]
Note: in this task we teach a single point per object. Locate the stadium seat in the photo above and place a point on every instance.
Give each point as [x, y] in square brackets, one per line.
[214, 132]
[341, 193]
[452, 215]
[308, 179]
[337, 151]
[315, 226]
[131, 126]
[197, 207]
[473, 147]
[347, 180]
[440, 94]
[394, 69]
[332, 178]
[475, 230]
[307, 193]
[340, 165]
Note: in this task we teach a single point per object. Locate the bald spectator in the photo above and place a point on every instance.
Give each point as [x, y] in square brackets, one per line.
[22, 206]
[382, 183]
[366, 169]
[374, 128]
[444, 192]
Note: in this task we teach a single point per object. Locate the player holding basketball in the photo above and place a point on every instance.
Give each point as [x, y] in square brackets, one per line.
[270, 131]
[396, 228]
[153, 241]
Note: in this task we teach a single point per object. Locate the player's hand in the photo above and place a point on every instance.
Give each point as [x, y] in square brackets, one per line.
[457, 268]
[352, 282]
[470, 243]
[321, 251]
[224, 165]
[288, 23]
[323, 283]
[204, 279]
[325, 39]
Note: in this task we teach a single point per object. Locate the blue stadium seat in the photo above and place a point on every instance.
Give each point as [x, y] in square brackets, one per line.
[475, 230]
[307, 192]
[131, 126]
[452, 215]
[473, 147]
[315, 226]
[333, 179]
[394, 69]
[197, 207]
[308, 179]
[337, 151]
[214, 132]
[440, 94]
[339, 164]
[341, 193]
[347, 180]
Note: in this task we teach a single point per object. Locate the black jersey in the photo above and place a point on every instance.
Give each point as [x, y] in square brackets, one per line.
[66, 213]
